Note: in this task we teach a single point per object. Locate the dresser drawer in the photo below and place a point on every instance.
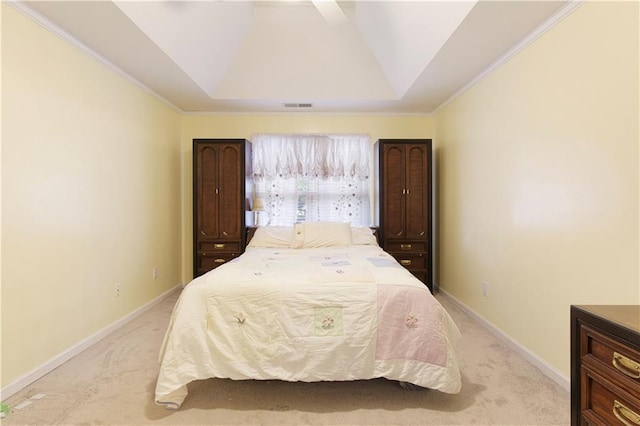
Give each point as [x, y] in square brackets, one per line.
[406, 246]
[605, 348]
[604, 403]
[620, 363]
[219, 246]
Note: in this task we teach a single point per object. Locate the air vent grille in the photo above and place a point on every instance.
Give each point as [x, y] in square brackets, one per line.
[297, 105]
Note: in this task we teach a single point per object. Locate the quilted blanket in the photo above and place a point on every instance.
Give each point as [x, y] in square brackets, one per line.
[335, 313]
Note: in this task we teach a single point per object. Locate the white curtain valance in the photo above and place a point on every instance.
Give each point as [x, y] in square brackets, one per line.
[310, 155]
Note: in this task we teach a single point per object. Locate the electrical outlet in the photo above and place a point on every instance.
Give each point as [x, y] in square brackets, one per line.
[117, 290]
[155, 273]
[485, 289]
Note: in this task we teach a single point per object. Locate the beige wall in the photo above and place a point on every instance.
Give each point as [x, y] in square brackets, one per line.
[246, 125]
[90, 196]
[538, 172]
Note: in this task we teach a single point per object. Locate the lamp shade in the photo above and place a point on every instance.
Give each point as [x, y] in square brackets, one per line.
[258, 204]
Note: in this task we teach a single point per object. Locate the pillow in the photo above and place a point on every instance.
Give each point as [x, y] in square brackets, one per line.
[363, 235]
[271, 236]
[321, 234]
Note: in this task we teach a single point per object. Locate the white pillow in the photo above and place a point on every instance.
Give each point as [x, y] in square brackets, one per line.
[272, 236]
[363, 235]
[321, 234]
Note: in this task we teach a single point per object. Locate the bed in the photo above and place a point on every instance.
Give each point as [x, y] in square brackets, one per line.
[313, 302]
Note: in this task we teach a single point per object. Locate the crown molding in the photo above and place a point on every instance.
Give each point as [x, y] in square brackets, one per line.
[562, 13]
[44, 22]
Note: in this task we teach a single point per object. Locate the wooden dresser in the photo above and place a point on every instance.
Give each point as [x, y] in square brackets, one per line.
[404, 182]
[221, 172]
[605, 365]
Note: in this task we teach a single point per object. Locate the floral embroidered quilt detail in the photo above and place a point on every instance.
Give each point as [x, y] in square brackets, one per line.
[328, 321]
[411, 321]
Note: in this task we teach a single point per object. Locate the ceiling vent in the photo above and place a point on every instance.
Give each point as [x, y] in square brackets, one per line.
[294, 105]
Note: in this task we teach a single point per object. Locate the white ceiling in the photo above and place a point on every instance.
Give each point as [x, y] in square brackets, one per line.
[387, 56]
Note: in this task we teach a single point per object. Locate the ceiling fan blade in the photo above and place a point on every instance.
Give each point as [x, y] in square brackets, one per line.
[330, 11]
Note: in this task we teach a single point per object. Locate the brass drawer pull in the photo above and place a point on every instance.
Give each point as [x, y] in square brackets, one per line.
[219, 261]
[218, 246]
[626, 366]
[625, 415]
[405, 262]
[405, 246]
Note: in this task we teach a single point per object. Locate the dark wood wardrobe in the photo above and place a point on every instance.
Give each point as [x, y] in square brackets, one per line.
[404, 203]
[221, 175]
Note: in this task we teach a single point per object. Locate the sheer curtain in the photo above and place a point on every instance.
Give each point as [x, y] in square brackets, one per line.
[312, 177]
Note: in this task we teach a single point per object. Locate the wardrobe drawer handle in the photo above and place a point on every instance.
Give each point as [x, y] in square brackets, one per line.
[405, 262]
[405, 246]
[219, 261]
[626, 366]
[625, 415]
[218, 246]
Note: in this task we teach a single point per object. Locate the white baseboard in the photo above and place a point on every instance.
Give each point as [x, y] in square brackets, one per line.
[74, 350]
[546, 369]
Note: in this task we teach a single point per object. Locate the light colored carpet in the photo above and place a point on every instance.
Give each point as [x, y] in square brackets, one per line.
[113, 383]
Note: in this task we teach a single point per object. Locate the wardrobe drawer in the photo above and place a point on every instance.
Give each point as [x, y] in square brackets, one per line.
[208, 261]
[411, 261]
[603, 403]
[620, 363]
[219, 246]
[406, 246]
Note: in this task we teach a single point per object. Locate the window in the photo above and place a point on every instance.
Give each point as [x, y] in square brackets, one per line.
[312, 178]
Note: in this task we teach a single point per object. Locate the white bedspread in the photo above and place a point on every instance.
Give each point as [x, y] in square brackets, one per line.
[337, 313]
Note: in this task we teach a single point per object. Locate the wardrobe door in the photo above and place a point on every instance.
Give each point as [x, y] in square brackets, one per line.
[206, 185]
[416, 191]
[231, 178]
[393, 173]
